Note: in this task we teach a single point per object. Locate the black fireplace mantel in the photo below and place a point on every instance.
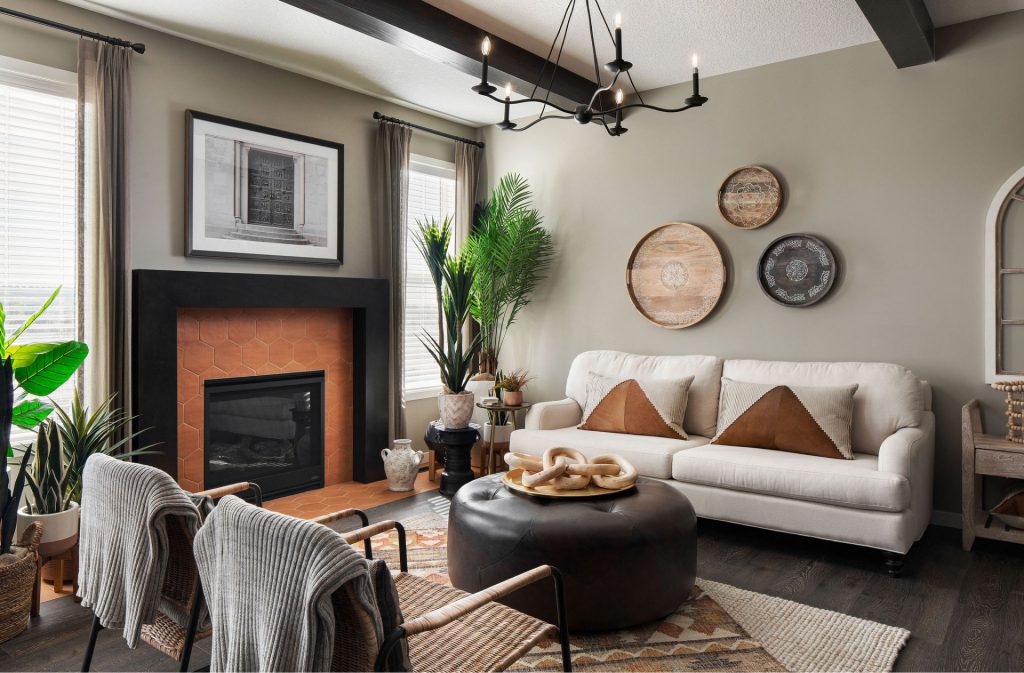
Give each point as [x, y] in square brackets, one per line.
[156, 298]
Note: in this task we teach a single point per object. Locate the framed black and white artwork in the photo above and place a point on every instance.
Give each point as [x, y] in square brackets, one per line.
[254, 192]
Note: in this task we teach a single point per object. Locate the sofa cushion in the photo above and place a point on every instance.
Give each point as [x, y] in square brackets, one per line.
[706, 370]
[652, 407]
[814, 420]
[853, 483]
[652, 456]
[888, 396]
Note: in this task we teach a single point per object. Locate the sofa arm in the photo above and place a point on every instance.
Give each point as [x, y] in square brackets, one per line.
[553, 415]
[908, 450]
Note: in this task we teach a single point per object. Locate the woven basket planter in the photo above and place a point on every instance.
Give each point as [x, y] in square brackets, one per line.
[18, 577]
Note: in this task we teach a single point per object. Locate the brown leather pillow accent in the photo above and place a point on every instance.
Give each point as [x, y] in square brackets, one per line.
[808, 420]
[625, 407]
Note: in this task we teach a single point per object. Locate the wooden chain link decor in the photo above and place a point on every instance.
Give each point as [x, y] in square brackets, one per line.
[567, 470]
[1014, 409]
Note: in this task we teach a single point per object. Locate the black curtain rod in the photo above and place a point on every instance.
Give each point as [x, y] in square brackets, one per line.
[449, 136]
[136, 46]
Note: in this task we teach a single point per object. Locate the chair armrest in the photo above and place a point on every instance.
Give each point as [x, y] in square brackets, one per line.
[553, 415]
[231, 489]
[366, 532]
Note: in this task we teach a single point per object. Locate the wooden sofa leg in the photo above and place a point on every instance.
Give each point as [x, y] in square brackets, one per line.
[894, 563]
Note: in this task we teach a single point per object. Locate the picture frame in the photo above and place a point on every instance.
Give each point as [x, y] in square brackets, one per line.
[254, 192]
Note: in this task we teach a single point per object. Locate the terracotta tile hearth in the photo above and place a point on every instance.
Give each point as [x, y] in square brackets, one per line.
[225, 343]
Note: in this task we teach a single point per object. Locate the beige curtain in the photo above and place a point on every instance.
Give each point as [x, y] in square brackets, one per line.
[104, 298]
[467, 175]
[392, 187]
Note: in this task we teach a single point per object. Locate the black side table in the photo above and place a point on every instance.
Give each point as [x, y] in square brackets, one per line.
[458, 445]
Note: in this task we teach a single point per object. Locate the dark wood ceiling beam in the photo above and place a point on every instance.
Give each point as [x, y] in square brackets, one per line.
[439, 36]
[905, 29]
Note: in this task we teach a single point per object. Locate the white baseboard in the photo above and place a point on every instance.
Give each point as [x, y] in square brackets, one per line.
[947, 519]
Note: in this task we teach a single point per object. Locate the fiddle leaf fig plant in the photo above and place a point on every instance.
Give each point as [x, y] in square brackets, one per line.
[27, 371]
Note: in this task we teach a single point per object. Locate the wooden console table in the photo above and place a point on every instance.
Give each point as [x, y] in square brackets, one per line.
[992, 456]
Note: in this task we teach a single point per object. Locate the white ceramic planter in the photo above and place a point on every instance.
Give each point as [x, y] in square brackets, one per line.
[60, 530]
[502, 434]
[456, 410]
[401, 464]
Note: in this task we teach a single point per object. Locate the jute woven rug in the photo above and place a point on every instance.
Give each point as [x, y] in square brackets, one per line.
[719, 628]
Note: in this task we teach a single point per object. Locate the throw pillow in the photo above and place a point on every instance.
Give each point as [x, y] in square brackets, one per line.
[812, 420]
[390, 613]
[652, 407]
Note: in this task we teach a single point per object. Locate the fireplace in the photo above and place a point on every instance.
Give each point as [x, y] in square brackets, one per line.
[265, 429]
[196, 330]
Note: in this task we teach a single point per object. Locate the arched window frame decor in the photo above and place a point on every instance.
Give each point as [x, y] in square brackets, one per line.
[1010, 193]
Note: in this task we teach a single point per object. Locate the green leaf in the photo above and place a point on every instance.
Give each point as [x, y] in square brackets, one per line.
[50, 370]
[30, 413]
[22, 356]
[32, 319]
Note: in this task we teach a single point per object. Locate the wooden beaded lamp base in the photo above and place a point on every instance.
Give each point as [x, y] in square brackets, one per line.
[1014, 409]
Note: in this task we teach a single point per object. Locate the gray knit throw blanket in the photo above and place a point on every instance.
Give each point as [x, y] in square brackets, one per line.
[268, 580]
[123, 546]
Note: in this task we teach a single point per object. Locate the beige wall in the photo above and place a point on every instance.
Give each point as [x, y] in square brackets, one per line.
[175, 75]
[895, 169]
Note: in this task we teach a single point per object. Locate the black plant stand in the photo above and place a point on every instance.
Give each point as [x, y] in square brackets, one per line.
[457, 446]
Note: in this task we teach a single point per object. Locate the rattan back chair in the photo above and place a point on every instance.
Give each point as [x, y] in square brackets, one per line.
[182, 593]
[446, 629]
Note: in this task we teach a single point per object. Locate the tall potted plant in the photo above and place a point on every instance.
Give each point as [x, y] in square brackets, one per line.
[510, 251]
[26, 371]
[455, 357]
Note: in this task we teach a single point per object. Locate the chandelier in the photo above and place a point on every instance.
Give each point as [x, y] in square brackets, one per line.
[600, 108]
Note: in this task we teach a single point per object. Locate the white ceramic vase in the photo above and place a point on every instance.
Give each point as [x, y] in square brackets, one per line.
[401, 464]
[456, 409]
[60, 530]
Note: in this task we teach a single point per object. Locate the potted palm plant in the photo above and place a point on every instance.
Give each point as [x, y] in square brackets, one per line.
[511, 252]
[26, 372]
[453, 274]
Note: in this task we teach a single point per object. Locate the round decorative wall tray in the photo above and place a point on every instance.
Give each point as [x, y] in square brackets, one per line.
[750, 197]
[797, 270]
[675, 275]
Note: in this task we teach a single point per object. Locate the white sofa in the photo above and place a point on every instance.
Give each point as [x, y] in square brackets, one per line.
[882, 498]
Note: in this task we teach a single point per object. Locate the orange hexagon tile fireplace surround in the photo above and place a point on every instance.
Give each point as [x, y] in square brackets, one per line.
[225, 343]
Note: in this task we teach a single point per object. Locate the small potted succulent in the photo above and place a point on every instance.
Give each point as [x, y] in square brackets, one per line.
[453, 279]
[511, 386]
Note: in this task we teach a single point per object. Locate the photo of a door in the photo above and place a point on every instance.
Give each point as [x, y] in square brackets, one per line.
[271, 189]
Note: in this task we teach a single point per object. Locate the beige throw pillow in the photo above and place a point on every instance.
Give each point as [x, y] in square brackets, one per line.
[811, 420]
[654, 407]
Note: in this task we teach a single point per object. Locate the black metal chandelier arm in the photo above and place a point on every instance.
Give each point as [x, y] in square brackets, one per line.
[539, 120]
[600, 90]
[646, 106]
[541, 101]
[569, 6]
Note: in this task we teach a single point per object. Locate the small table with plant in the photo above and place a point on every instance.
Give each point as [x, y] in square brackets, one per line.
[499, 415]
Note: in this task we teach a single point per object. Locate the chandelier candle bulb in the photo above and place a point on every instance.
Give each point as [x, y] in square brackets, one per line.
[484, 88]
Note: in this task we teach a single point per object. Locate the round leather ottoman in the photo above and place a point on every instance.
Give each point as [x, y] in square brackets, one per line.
[627, 559]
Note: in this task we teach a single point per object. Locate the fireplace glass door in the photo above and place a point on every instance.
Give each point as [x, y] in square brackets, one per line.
[266, 429]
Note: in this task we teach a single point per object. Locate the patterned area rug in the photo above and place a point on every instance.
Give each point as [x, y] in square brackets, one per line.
[753, 632]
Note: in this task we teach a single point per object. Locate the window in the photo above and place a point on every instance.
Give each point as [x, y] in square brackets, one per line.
[38, 246]
[1004, 267]
[431, 194]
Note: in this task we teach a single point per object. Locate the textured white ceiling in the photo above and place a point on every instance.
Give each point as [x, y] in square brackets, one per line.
[659, 37]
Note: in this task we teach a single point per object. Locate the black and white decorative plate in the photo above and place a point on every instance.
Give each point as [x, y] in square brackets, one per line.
[797, 270]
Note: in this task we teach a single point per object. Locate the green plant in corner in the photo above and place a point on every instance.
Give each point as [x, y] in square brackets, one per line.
[38, 370]
[433, 241]
[511, 252]
[455, 358]
[84, 433]
[48, 474]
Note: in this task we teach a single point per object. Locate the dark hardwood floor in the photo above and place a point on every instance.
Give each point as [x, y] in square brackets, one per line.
[965, 610]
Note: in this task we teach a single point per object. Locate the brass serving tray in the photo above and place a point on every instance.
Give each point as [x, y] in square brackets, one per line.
[513, 481]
